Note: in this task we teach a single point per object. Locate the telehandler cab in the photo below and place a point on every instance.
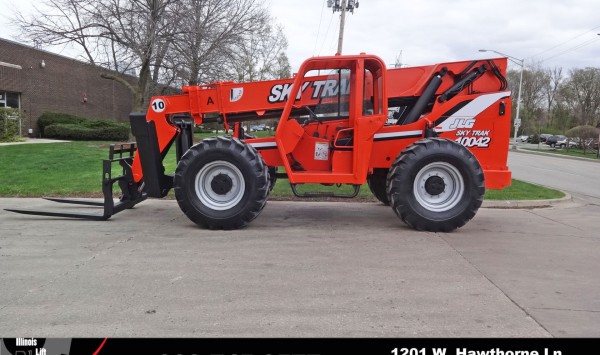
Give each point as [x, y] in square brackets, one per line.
[428, 141]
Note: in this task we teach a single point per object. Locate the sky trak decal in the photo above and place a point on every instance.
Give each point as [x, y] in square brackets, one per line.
[320, 88]
[474, 138]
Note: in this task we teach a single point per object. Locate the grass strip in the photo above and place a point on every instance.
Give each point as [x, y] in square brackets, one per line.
[75, 169]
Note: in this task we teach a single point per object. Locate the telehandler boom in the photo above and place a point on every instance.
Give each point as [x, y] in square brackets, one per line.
[428, 141]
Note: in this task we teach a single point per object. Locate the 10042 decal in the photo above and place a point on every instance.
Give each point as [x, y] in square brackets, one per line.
[481, 142]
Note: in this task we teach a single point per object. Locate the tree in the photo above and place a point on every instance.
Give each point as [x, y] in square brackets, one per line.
[550, 89]
[562, 115]
[581, 93]
[532, 96]
[164, 42]
[119, 35]
[215, 30]
[262, 56]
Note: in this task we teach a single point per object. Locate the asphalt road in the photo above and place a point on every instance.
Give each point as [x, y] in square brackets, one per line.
[578, 177]
[302, 269]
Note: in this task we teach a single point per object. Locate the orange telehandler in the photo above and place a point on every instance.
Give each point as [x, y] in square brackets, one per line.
[428, 140]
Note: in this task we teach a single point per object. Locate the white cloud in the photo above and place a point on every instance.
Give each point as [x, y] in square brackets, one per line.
[431, 31]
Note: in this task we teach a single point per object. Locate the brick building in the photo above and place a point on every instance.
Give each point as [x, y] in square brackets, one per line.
[36, 81]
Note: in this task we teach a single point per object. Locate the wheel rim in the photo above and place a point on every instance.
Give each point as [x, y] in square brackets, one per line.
[438, 186]
[220, 185]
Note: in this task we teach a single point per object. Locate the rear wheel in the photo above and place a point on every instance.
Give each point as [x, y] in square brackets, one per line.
[221, 183]
[377, 182]
[436, 185]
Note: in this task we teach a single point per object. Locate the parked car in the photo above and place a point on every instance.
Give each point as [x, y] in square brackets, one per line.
[544, 136]
[560, 141]
[551, 141]
[260, 127]
[524, 138]
[567, 142]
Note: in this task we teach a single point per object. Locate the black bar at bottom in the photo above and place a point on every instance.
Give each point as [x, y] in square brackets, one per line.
[314, 346]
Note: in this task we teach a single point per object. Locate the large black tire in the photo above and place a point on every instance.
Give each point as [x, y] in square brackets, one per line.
[377, 185]
[221, 183]
[272, 177]
[435, 185]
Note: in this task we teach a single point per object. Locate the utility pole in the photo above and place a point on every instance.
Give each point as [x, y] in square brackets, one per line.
[344, 6]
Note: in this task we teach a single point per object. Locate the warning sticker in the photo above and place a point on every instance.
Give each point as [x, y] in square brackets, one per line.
[235, 94]
[321, 151]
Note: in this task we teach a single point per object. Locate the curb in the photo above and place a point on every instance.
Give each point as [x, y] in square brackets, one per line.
[521, 150]
[527, 204]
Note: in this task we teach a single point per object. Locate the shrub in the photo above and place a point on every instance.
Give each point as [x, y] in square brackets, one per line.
[584, 134]
[71, 127]
[82, 132]
[535, 139]
[50, 118]
[9, 124]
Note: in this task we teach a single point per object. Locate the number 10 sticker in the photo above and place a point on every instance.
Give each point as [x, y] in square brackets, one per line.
[158, 105]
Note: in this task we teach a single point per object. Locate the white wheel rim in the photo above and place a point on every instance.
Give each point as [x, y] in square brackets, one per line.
[454, 187]
[211, 198]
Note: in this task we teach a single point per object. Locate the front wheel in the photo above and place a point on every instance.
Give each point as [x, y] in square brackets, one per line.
[221, 183]
[435, 185]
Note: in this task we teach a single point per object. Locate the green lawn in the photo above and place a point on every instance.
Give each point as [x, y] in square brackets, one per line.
[51, 169]
[75, 169]
[521, 190]
[591, 154]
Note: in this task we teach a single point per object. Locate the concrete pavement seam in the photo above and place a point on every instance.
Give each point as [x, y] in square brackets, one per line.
[496, 286]
[555, 221]
[566, 309]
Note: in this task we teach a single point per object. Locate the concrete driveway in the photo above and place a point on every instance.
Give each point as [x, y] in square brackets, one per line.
[301, 269]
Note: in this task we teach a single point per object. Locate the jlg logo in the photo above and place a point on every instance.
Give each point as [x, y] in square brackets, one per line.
[462, 123]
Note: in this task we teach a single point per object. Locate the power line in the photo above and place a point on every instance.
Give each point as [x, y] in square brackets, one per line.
[332, 41]
[571, 49]
[567, 41]
[326, 33]
[319, 30]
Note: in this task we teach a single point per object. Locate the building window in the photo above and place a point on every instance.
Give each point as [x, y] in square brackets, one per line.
[10, 99]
